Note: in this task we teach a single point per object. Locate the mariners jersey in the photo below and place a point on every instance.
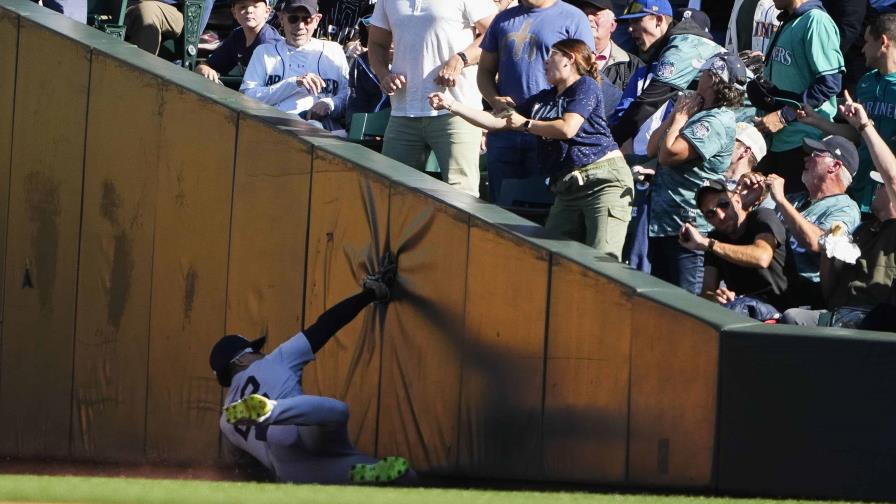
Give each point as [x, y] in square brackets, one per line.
[711, 134]
[271, 74]
[877, 93]
[807, 47]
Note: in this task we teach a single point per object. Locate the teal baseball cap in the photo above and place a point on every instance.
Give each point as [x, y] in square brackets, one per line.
[640, 8]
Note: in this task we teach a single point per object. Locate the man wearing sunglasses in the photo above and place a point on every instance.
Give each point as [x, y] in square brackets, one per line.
[745, 249]
[828, 170]
[851, 291]
[300, 75]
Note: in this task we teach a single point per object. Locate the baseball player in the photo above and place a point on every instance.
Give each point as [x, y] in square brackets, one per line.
[300, 438]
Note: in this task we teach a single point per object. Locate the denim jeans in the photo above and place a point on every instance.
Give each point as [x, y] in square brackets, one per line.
[511, 154]
[675, 264]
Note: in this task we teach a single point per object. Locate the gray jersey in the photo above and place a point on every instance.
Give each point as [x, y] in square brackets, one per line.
[305, 438]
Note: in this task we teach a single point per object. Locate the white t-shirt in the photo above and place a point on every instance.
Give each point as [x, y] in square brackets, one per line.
[269, 76]
[426, 33]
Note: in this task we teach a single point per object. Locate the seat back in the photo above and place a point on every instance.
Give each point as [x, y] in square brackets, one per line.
[369, 125]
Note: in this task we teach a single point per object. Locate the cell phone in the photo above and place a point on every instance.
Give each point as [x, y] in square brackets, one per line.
[788, 114]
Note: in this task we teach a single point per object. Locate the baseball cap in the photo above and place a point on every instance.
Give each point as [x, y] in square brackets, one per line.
[729, 67]
[640, 8]
[840, 148]
[752, 138]
[288, 5]
[600, 4]
[710, 185]
[226, 350]
[697, 17]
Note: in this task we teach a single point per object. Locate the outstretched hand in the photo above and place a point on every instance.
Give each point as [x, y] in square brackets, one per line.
[853, 112]
[440, 101]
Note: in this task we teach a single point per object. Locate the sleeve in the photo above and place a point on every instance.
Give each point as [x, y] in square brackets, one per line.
[822, 45]
[340, 64]
[294, 353]
[255, 78]
[847, 213]
[673, 67]
[379, 17]
[822, 89]
[766, 221]
[474, 10]
[224, 58]
[654, 96]
[585, 98]
[490, 42]
[705, 134]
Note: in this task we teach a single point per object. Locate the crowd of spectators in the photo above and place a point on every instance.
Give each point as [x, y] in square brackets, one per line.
[719, 149]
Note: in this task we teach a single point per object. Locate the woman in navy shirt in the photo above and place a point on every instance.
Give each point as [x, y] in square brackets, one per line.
[590, 179]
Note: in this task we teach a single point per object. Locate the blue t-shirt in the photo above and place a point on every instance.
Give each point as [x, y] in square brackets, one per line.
[593, 140]
[233, 50]
[522, 39]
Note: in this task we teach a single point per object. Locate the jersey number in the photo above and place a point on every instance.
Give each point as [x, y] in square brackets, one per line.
[250, 387]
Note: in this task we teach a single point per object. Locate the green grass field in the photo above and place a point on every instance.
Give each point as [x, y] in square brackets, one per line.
[52, 489]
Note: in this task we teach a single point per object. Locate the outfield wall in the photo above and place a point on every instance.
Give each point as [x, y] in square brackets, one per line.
[151, 211]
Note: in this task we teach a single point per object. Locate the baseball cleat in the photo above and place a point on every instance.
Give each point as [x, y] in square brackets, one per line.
[381, 282]
[251, 409]
[386, 470]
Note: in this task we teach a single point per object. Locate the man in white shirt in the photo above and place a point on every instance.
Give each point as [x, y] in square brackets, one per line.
[300, 75]
[436, 43]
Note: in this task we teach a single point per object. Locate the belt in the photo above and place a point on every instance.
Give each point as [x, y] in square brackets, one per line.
[581, 176]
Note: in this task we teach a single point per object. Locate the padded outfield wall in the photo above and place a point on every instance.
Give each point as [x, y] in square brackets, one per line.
[145, 211]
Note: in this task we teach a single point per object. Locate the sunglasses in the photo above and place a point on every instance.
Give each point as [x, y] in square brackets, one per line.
[722, 205]
[298, 18]
[821, 155]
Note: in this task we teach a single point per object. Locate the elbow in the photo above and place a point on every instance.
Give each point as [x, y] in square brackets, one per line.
[765, 259]
[568, 133]
[667, 158]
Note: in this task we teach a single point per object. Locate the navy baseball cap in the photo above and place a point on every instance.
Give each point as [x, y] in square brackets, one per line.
[600, 4]
[729, 67]
[226, 350]
[838, 147]
[697, 17]
[290, 5]
[640, 8]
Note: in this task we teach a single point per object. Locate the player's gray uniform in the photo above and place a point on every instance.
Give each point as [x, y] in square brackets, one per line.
[305, 439]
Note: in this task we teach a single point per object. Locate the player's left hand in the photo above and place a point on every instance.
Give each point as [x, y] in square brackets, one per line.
[690, 238]
[775, 186]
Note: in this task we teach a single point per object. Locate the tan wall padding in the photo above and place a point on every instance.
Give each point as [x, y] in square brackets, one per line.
[189, 283]
[586, 395]
[673, 397]
[503, 359]
[41, 263]
[348, 229]
[424, 337]
[9, 39]
[115, 280]
[272, 191]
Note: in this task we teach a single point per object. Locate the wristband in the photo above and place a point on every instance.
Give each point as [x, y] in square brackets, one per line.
[865, 124]
[526, 124]
[464, 58]
[711, 245]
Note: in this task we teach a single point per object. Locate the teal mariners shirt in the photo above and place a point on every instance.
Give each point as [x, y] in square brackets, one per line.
[711, 133]
[679, 63]
[877, 93]
[807, 48]
[823, 213]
